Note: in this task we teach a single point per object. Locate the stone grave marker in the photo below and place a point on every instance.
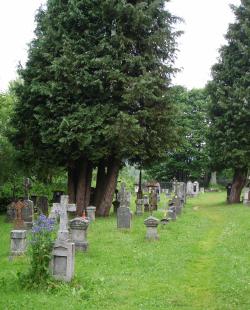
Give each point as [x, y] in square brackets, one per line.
[18, 243]
[196, 188]
[139, 206]
[189, 188]
[151, 223]
[28, 213]
[19, 222]
[78, 229]
[91, 213]
[246, 197]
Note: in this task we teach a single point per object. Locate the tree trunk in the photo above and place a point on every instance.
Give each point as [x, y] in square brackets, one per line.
[88, 184]
[239, 181]
[72, 183]
[213, 180]
[100, 185]
[110, 185]
[81, 186]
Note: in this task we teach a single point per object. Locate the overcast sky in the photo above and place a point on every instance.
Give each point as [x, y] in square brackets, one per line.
[206, 22]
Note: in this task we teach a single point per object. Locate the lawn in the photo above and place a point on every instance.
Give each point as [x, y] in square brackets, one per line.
[202, 261]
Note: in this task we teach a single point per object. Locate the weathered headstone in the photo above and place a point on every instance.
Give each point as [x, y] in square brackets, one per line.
[178, 203]
[246, 196]
[43, 205]
[91, 213]
[63, 260]
[196, 188]
[78, 229]
[189, 188]
[153, 200]
[146, 203]
[28, 213]
[18, 242]
[139, 206]
[10, 214]
[172, 213]
[151, 223]
[123, 217]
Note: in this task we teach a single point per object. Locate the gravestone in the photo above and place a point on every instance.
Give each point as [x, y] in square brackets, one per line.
[78, 229]
[178, 203]
[151, 223]
[43, 205]
[153, 200]
[196, 188]
[91, 213]
[63, 260]
[246, 196]
[202, 190]
[139, 206]
[189, 188]
[18, 243]
[146, 203]
[28, 213]
[10, 214]
[63, 254]
[123, 217]
[172, 213]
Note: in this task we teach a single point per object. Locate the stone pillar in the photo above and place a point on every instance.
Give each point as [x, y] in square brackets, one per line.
[91, 213]
[18, 242]
[78, 228]
[139, 206]
[151, 223]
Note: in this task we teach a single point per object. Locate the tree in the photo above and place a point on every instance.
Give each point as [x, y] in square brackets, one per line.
[95, 91]
[190, 159]
[230, 102]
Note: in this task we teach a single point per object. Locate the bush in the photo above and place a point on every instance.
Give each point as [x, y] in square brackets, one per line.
[41, 241]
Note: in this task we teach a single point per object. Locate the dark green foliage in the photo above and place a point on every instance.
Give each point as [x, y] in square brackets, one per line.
[190, 160]
[230, 96]
[96, 83]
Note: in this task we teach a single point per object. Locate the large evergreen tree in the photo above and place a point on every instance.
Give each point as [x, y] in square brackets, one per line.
[94, 91]
[230, 108]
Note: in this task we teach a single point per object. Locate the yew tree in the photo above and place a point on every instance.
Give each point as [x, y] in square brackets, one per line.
[95, 91]
[230, 102]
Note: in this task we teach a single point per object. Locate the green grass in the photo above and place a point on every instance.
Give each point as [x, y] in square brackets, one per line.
[202, 261]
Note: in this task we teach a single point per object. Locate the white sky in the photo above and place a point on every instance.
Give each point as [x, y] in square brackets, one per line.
[206, 22]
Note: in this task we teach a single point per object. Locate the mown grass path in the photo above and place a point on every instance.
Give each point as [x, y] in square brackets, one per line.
[202, 261]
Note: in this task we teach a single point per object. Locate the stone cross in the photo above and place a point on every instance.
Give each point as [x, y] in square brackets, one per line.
[63, 208]
[19, 222]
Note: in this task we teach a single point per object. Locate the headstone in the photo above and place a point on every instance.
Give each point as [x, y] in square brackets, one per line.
[78, 229]
[18, 242]
[153, 200]
[43, 205]
[151, 223]
[178, 203]
[124, 196]
[11, 213]
[91, 213]
[202, 190]
[123, 217]
[28, 213]
[63, 232]
[146, 203]
[189, 188]
[246, 197]
[196, 188]
[228, 188]
[172, 213]
[63, 260]
[139, 206]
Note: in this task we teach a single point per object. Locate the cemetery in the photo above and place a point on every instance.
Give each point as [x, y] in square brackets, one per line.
[119, 188]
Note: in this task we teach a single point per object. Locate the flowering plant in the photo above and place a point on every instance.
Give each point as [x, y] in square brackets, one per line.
[40, 247]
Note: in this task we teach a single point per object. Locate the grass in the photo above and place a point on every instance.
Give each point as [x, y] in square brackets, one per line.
[202, 261]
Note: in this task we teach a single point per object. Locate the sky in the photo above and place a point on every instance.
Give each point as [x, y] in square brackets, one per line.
[206, 22]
